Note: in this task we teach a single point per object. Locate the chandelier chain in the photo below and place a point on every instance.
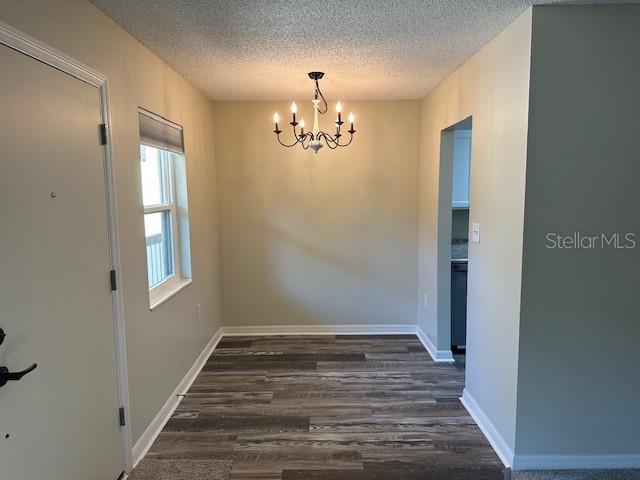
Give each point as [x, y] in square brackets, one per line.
[325, 107]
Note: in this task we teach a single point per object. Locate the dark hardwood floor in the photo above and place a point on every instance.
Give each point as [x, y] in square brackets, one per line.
[329, 408]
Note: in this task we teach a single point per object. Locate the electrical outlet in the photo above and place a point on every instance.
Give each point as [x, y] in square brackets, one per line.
[426, 301]
[198, 310]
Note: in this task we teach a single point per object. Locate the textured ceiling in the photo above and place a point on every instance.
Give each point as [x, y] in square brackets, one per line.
[262, 49]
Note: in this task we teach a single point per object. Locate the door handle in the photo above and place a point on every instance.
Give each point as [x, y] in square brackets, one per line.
[6, 375]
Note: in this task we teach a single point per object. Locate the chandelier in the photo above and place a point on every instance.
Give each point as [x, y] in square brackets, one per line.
[316, 138]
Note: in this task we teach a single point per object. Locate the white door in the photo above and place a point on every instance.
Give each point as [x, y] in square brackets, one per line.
[60, 421]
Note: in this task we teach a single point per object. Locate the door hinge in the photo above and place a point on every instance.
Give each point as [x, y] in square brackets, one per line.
[112, 278]
[103, 134]
[121, 414]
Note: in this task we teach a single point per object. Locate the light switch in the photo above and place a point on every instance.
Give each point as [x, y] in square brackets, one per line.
[475, 232]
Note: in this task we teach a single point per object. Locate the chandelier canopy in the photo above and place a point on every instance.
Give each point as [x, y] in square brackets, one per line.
[316, 138]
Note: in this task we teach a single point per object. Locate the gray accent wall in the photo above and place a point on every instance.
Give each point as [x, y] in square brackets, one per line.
[578, 373]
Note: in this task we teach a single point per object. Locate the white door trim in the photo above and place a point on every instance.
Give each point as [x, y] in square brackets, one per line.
[37, 50]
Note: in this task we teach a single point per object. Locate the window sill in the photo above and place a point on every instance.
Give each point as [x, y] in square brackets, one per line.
[157, 298]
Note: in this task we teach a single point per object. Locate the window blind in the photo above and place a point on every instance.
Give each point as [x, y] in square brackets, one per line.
[158, 132]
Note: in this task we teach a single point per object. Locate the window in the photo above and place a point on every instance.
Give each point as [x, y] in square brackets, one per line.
[164, 196]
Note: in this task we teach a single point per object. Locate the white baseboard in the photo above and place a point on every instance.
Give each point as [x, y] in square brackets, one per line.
[575, 462]
[444, 356]
[496, 440]
[144, 443]
[402, 329]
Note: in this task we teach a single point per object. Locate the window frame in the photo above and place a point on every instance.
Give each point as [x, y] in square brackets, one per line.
[168, 287]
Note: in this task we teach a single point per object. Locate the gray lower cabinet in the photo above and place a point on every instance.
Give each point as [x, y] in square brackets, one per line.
[458, 304]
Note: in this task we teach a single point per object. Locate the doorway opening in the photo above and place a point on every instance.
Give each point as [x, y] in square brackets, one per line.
[453, 236]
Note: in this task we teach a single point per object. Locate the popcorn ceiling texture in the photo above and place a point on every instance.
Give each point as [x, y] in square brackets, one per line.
[262, 50]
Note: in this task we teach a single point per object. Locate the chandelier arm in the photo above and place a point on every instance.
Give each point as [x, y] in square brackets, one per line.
[331, 142]
[298, 136]
[295, 135]
[329, 138]
[284, 144]
[344, 144]
[310, 137]
[304, 141]
[330, 145]
[348, 143]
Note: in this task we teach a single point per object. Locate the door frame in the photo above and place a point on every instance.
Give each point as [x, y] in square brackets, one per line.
[29, 46]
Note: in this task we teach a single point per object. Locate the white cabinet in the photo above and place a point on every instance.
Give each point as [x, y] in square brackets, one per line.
[461, 168]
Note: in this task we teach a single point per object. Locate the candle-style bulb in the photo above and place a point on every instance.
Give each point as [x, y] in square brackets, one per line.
[302, 123]
[351, 118]
[338, 107]
[294, 107]
[276, 117]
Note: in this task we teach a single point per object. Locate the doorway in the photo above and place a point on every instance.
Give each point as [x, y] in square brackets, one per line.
[61, 420]
[453, 236]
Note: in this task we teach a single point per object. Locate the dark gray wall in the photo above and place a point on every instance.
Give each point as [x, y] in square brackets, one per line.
[460, 223]
[579, 361]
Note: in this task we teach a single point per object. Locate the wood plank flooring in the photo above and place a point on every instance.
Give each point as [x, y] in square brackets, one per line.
[343, 407]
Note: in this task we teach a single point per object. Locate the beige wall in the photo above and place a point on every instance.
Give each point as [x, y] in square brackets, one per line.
[318, 239]
[493, 87]
[578, 383]
[163, 344]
